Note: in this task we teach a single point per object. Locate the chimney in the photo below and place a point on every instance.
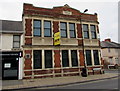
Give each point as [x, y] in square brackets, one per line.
[109, 40]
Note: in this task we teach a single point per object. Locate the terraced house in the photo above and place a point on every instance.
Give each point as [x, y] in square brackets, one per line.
[59, 41]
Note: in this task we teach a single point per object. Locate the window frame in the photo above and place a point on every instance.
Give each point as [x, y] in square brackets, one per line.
[93, 32]
[48, 28]
[70, 30]
[94, 56]
[16, 41]
[40, 67]
[90, 60]
[39, 28]
[86, 31]
[65, 30]
[67, 61]
[46, 60]
[74, 65]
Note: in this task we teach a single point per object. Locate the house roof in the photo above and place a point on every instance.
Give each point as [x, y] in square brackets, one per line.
[107, 44]
[8, 26]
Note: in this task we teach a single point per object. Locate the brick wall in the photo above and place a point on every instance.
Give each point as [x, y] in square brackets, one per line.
[28, 27]
[28, 61]
[57, 58]
[29, 9]
[81, 57]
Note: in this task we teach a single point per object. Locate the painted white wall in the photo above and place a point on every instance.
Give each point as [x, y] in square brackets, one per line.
[113, 53]
[7, 42]
[20, 68]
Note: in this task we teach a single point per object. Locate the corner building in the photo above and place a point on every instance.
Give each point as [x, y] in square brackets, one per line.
[78, 37]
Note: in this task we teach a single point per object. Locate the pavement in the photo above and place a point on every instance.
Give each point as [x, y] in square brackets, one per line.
[55, 81]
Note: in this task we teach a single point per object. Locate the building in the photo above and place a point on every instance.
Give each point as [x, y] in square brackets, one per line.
[10, 49]
[110, 53]
[46, 55]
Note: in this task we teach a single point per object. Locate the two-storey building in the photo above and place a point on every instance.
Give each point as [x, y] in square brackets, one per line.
[10, 49]
[77, 44]
[110, 53]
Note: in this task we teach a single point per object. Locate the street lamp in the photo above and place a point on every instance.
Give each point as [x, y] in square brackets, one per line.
[84, 70]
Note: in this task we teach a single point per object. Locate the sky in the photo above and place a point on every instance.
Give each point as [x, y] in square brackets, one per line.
[107, 11]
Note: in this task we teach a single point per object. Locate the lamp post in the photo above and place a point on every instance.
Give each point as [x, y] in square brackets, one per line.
[84, 70]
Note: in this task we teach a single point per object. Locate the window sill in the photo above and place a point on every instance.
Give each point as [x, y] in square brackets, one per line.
[16, 49]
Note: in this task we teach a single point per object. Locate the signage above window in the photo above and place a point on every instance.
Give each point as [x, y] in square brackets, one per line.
[67, 13]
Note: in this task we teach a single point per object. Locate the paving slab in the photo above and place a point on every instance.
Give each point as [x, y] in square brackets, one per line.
[47, 82]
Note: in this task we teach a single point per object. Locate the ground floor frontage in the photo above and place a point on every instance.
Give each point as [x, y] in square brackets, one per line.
[41, 62]
[11, 64]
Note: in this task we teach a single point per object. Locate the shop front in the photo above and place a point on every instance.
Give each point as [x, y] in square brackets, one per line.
[11, 65]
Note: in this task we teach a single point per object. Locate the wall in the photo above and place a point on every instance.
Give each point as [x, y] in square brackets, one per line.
[113, 54]
[7, 42]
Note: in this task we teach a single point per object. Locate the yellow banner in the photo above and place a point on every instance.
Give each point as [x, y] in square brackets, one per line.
[57, 38]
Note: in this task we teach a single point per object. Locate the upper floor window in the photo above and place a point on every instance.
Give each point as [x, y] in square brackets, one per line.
[72, 30]
[47, 29]
[63, 28]
[16, 41]
[37, 28]
[93, 31]
[85, 31]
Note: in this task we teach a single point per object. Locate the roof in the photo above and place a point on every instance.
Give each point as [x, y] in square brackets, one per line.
[8, 26]
[107, 44]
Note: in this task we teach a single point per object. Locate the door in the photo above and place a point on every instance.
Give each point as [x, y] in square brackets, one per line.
[10, 68]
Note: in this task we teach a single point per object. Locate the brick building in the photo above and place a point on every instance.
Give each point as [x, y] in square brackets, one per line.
[79, 36]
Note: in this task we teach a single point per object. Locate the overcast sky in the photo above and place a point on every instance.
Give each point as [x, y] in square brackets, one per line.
[107, 11]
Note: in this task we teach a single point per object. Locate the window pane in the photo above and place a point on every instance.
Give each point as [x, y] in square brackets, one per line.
[16, 44]
[47, 24]
[96, 57]
[16, 38]
[37, 59]
[37, 28]
[72, 34]
[92, 27]
[93, 31]
[93, 35]
[63, 26]
[48, 59]
[63, 33]
[88, 57]
[72, 26]
[85, 27]
[65, 59]
[37, 32]
[47, 32]
[85, 30]
[74, 58]
[86, 35]
[37, 23]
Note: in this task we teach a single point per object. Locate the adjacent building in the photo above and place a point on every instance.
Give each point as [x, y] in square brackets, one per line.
[110, 53]
[59, 41]
[10, 49]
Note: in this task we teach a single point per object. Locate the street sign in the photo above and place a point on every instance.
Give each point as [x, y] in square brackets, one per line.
[57, 38]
